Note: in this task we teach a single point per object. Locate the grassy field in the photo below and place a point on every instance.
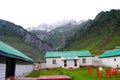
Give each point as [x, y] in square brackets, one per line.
[43, 72]
[81, 72]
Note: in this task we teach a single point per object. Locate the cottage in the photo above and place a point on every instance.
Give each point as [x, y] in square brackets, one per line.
[111, 58]
[13, 62]
[68, 59]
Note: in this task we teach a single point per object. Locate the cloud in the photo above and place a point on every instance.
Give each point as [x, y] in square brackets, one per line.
[33, 12]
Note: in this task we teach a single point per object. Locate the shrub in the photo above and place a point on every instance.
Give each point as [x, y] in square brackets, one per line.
[66, 72]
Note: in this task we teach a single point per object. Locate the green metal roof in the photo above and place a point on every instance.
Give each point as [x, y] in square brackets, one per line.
[8, 50]
[67, 58]
[51, 54]
[110, 53]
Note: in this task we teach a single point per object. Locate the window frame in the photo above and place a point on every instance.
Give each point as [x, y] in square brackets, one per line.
[54, 61]
[84, 60]
[115, 59]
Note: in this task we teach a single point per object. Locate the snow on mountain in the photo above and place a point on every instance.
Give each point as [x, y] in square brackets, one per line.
[49, 27]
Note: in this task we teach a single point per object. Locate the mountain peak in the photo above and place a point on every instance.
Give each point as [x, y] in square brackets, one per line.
[49, 27]
[107, 14]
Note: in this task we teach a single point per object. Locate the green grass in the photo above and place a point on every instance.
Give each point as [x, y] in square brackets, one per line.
[82, 72]
[43, 72]
[97, 45]
[114, 42]
[97, 52]
[88, 43]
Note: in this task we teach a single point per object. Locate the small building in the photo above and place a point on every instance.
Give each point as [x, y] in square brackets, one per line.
[111, 58]
[13, 62]
[68, 59]
[40, 65]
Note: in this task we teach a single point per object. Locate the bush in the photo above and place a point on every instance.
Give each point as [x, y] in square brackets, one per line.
[70, 74]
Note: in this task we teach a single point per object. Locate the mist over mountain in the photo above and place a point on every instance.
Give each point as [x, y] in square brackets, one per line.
[61, 35]
[49, 27]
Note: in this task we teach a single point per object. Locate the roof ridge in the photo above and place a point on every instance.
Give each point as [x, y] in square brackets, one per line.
[12, 51]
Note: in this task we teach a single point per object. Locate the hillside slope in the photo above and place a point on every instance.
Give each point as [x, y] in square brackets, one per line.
[101, 35]
[11, 33]
[61, 36]
[18, 44]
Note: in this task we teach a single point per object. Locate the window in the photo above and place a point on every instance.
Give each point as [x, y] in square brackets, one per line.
[54, 62]
[75, 62]
[115, 59]
[84, 60]
[65, 63]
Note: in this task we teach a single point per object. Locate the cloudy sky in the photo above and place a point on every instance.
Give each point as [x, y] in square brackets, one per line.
[29, 13]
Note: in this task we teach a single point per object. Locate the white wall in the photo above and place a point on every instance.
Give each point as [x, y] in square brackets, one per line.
[60, 63]
[42, 66]
[88, 61]
[109, 62]
[50, 65]
[22, 70]
[39, 65]
[2, 71]
[96, 61]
